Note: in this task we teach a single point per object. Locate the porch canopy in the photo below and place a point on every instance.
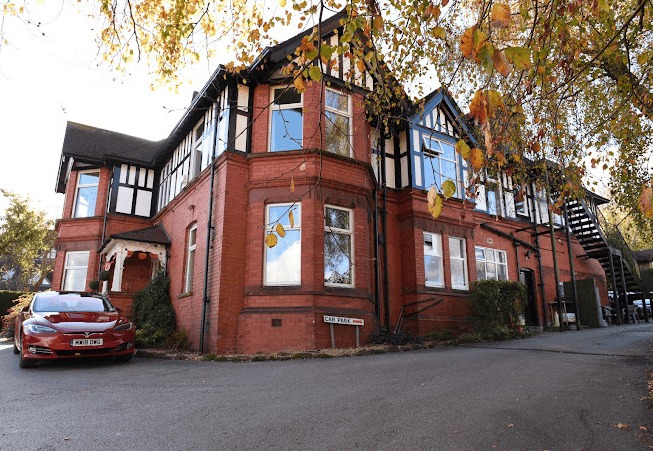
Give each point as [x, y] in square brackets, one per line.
[151, 240]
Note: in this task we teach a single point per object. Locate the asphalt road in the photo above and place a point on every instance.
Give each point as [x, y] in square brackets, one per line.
[555, 391]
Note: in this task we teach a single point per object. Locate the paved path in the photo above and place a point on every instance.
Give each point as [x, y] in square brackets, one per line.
[551, 392]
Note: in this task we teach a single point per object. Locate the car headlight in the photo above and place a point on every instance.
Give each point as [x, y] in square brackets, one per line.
[125, 326]
[40, 329]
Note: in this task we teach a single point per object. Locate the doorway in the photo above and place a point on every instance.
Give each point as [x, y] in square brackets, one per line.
[527, 277]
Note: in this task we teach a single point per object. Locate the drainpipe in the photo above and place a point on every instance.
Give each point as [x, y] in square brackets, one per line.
[104, 225]
[384, 214]
[574, 290]
[209, 231]
[377, 276]
[545, 325]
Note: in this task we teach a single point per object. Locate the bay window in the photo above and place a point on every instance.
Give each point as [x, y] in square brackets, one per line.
[283, 261]
[338, 246]
[337, 122]
[286, 120]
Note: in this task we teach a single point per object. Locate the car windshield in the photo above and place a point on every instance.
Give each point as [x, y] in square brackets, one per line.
[70, 303]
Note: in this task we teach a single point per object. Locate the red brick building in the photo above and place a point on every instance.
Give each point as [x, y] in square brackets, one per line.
[250, 153]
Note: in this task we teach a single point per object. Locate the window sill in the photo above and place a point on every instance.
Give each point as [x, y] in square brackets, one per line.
[339, 286]
[430, 288]
[184, 295]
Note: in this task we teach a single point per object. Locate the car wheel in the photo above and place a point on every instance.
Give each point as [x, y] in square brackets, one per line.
[26, 363]
[124, 358]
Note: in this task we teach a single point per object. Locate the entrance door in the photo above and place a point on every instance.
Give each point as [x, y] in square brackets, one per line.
[530, 309]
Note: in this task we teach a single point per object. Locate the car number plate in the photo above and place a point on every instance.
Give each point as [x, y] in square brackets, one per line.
[86, 342]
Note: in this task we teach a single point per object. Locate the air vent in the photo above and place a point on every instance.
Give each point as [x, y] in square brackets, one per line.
[276, 322]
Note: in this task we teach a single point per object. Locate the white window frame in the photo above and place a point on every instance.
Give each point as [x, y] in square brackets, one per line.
[270, 228]
[79, 186]
[438, 154]
[462, 259]
[485, 261]
[189, 273]
[349, 232]
[276, 107]
[524, 211]
[68, 267]
[348, 114]
[433, 253]
[196, 148]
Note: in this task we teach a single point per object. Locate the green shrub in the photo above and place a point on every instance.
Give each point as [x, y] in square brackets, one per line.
[7, 299]
[152, 305]
[149, 336]
[391, 338]
[154, 315]
[94, 285]
[441, 335]
[104, 276]
[495, 307]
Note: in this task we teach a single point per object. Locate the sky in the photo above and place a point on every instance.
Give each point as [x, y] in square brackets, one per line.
[46, 80]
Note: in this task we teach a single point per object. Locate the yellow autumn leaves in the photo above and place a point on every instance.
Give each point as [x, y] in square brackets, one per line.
[475, 45]
[271, 237]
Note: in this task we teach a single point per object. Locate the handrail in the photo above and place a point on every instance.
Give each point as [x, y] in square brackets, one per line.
[401, 313]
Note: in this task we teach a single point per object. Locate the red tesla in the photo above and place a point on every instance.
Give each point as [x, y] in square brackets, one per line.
[59, 325]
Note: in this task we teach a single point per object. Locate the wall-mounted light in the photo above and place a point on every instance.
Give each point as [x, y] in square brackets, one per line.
[528, 254]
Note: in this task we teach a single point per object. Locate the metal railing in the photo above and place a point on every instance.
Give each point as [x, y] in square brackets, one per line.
[617, 240]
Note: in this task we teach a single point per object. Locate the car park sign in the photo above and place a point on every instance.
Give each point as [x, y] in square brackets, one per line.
[345, 321]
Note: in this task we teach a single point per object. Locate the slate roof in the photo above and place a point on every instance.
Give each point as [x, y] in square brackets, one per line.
[153, 235]
[96, 145]
[99, 147]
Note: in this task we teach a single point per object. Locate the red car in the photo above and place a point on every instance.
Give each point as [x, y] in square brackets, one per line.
[59, 325]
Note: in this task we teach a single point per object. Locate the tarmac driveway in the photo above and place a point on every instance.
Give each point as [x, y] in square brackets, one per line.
[556, 391]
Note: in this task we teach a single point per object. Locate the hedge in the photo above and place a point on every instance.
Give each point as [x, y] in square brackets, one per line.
[7, 300]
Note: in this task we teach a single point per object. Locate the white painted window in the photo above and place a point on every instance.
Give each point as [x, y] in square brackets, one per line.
[86, 193]
[286, 119]
[491, 264]
[337, 122]
[441, 163]
[283, 261]
[196, 153]
[458, 261]
[338, 246]
[190, 259]
[521, 200]
[433, 270]
[74, 273]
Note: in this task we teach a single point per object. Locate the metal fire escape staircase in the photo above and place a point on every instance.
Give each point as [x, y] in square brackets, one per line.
[606, 244]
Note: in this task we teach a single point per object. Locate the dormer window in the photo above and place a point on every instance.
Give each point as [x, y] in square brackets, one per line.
[286, 120]
[86, 194]
[441, 163]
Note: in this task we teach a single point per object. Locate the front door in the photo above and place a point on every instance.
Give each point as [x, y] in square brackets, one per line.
[530, 308]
